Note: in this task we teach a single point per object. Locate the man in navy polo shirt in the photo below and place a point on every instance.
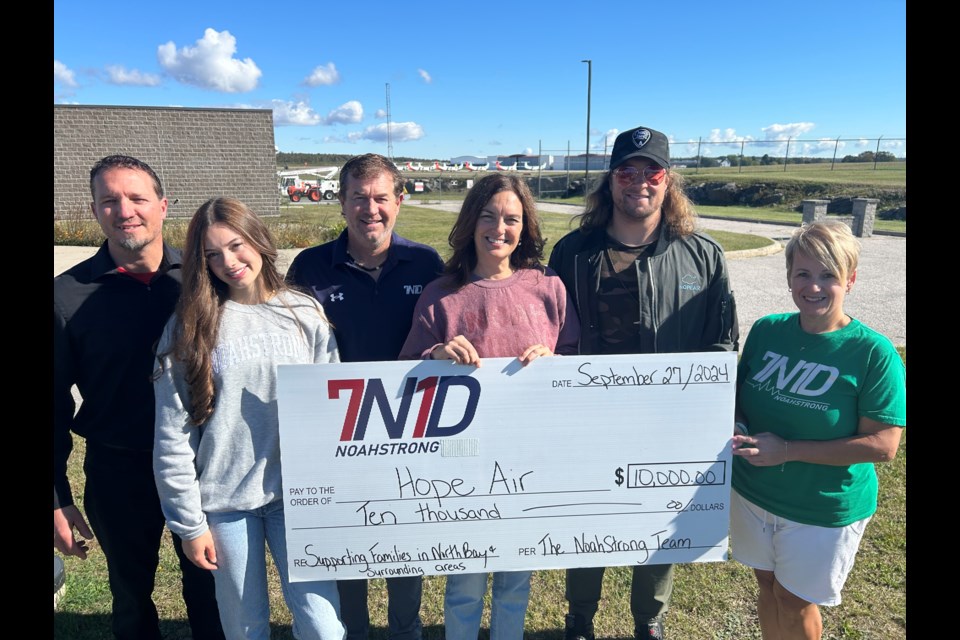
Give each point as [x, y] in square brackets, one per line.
[368, 281]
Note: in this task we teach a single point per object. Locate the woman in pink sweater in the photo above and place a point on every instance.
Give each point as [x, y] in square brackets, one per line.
[494, 300]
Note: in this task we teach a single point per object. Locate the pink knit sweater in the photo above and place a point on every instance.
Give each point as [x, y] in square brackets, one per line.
[501, 318]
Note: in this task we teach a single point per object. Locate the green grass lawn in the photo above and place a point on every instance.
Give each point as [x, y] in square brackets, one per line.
[886, 174]
[301, 226]
[711, 601]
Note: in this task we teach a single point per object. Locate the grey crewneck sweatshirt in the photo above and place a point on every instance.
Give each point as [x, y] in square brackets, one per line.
[232, 461]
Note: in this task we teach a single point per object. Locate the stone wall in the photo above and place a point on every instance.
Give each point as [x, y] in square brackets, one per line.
[197, 153]
[891, 201]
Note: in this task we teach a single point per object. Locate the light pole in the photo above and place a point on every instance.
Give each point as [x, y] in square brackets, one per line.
[586, 171]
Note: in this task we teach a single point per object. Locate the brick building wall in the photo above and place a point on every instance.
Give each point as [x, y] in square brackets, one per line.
[198, 153]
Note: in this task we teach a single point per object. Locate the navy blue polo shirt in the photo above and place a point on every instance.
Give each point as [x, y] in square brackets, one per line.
[371, 318]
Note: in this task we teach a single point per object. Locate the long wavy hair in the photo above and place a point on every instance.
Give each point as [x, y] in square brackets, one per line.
[679, 216]
[203, 294]
[527, 255]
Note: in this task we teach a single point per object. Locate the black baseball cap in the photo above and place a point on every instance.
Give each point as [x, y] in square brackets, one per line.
[641, 142]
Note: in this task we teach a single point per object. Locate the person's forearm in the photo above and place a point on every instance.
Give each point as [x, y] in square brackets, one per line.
[874, 447]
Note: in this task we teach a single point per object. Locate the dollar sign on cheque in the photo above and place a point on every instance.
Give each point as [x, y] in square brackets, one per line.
[619, 474]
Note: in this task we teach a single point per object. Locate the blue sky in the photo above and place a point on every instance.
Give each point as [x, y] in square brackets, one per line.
[497, 77]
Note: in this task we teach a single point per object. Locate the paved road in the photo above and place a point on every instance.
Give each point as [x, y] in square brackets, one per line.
[878, 299]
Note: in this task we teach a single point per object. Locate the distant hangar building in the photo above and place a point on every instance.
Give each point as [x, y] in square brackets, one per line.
[198, 153]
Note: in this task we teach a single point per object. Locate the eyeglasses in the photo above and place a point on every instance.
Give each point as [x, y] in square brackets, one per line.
[652, 175]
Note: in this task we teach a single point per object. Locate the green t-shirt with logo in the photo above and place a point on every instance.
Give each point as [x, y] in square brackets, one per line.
[804, 386]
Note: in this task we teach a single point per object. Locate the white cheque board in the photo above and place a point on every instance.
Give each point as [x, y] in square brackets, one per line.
[427, 467]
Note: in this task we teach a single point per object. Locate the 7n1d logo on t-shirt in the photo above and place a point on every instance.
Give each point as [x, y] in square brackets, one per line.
[803, 378]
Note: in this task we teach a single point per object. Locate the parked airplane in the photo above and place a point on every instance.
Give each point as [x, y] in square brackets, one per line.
[415, 167]
[526, 166]
[509, 167]
[445, 167]
[476, 167]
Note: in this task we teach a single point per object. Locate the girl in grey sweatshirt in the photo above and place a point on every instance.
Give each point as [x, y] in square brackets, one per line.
[217, 439]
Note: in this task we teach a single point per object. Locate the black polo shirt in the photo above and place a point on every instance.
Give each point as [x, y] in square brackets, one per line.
[371, 318]
[105, 328]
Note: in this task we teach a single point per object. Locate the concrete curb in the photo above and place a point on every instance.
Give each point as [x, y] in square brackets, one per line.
[876, 232]
[770, 249]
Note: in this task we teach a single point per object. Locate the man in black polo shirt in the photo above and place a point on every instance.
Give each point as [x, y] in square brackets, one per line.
[108, 312]
[368, 281]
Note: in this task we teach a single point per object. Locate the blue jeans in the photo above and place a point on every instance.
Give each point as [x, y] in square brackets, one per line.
[463, 605]
[241, 578]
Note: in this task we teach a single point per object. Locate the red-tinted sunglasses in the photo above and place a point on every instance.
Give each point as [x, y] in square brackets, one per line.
[652, 175]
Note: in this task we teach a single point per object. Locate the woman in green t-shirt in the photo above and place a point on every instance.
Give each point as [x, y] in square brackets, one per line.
[820, 398]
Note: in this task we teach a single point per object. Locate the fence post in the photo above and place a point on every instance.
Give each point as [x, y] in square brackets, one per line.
[864, 214]
[814, 210]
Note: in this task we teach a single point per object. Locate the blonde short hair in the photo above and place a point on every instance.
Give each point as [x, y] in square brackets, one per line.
[830, 243]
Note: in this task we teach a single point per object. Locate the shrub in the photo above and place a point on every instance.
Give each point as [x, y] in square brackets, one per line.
[77, 228]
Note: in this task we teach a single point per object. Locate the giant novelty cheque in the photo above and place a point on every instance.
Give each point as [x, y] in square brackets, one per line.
[428, 467]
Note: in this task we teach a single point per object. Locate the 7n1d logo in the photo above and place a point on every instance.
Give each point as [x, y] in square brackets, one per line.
[427, 424]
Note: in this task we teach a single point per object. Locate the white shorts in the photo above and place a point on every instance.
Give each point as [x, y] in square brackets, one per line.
[810, 562]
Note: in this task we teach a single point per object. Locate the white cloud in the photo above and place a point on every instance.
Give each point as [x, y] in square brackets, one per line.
[399, 132]
[210, 64]
[606, 140]
[426, 76]
[683, 149]
[323, 75]
[726, 135]
[117, 74]
[63, 75]
[785, 131]
[821, 147]
[347, 113]
[381, 113]
[294, 113]
[826, 144]
[528, 151]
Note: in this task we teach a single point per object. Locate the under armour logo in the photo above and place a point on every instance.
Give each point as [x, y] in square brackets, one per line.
[336, 296]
